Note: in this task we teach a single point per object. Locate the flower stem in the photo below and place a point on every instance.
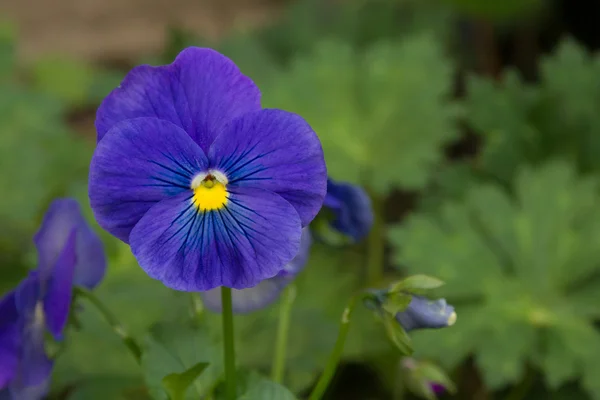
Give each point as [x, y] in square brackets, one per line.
[112, 320]
[336, 354]
[376, 244]
[283, 327]
[228, 344]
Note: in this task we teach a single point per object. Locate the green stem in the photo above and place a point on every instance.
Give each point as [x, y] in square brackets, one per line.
[228, 344]
[112, 320]
[336, 354]
[376, 244]
[282, 333]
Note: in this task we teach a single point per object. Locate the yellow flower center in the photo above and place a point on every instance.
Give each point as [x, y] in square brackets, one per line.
[209, 192]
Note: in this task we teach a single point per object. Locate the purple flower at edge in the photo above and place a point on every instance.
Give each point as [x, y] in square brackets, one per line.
[352, 209]
[69, 253]
[266, 292]
[208, 188]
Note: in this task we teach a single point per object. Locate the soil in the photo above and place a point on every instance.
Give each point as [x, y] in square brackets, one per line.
[95, 30]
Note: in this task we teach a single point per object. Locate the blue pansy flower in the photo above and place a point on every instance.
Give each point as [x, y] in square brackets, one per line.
[423, 313]
[267, 291]
[207, 188]
[351, 208]
[69, 253]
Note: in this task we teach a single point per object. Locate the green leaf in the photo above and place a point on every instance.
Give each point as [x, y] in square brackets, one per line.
[521, 269]
[397, 334]
[176, 384]
[7, 49]
[527, 124]
[267, 390]
[124, 288]
[73, 82]
[394, 93]
[416, 284]
[171, 348]
[396, 302]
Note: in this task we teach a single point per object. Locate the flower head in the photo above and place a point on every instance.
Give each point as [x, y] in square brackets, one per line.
[207, 188]
[351, 207]
[68, 253]
[267, 291]
[424, 378]
[423, 313]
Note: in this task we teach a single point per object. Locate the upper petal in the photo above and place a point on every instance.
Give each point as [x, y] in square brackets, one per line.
[267, 291]
[139, 163]
[250, 239]
[200, 92]
[277, 151]
[64, 216]
[352, 208]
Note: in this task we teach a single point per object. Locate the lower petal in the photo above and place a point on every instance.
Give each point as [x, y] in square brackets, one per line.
[267, 291]
[138, 163]
[251, 238]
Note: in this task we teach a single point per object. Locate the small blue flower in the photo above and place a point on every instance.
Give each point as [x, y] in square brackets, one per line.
[267, 291]
[351, 207]
[423, 313]
[68, 253]
[208, 188]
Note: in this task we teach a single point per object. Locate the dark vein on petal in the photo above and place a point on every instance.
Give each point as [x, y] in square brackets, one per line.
[169, 169]
[177, 162]
[246, 208]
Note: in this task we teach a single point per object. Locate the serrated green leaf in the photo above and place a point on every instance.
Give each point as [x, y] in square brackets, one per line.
[384, 114]
[175, 347]
[515, 263]
[267, 390]
[416, 284]
[526, 124]
[176, 384]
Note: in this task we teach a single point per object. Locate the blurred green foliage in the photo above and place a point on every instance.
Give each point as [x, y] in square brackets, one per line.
[513, 230]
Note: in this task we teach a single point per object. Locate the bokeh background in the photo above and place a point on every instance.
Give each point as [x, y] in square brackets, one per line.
[474, 125]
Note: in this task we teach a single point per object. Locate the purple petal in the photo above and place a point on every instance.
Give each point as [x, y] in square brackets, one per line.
[63, 216]
[277, 151]
[437, 388]
[59, 289]
[32, 392]
[267, 291]
[200, 92]
[9, 339]
[423, 313]
[139, 163]
[34, 366]
[352, 209]
[250, 239]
